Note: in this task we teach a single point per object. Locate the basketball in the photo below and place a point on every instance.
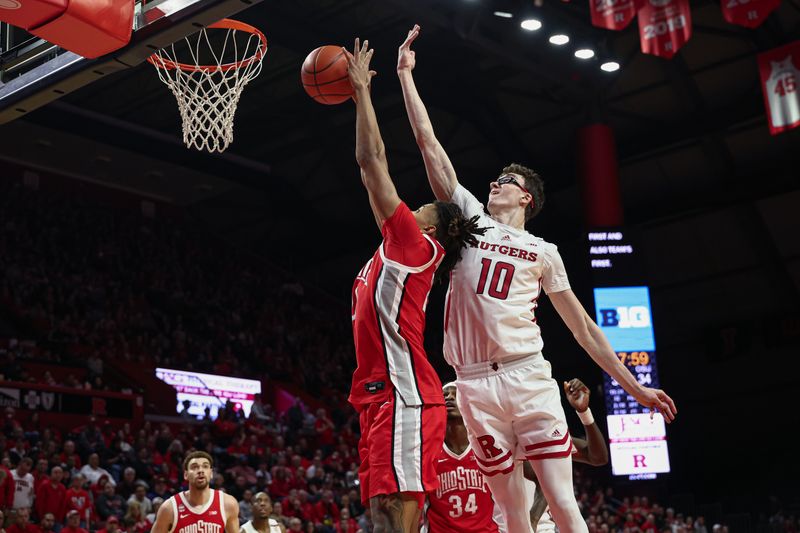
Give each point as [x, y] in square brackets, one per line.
[324, 75]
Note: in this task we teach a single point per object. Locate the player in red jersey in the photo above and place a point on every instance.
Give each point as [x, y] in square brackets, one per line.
[395, 388]
[463, 502]
[201, 509]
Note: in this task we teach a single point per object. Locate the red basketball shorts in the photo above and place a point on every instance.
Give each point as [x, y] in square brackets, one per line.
[399, 447]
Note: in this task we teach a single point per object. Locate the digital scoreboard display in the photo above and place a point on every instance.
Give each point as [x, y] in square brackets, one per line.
[210, 391]
[637, 443]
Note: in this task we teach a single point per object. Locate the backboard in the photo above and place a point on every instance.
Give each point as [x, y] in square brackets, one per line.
[34, 72]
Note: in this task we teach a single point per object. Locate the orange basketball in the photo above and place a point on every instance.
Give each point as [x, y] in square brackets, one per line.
[324, 75]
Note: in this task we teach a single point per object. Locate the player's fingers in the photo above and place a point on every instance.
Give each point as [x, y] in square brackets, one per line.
[566, 388]
[365, 46]
[357, 47]
[666, 398]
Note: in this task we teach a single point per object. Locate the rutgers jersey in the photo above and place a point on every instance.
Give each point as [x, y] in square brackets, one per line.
[462, 503]
[491, 302]
[209, 518]
[388, 313]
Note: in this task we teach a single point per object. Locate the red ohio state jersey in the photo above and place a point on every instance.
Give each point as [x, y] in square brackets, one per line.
[462, 503]
[389, 299]
[209, 518]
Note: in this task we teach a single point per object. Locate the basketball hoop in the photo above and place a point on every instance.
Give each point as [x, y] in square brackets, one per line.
[207, 94]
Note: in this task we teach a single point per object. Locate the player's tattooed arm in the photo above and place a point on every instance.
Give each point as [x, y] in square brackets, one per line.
[393, 514]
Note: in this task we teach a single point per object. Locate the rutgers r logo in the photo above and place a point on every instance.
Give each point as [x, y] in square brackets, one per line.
[637, 316]
[490, 451]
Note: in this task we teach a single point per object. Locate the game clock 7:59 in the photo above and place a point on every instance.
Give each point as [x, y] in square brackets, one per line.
[634, 359]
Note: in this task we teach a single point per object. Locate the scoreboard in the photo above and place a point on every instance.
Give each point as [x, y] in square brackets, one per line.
[637, 443]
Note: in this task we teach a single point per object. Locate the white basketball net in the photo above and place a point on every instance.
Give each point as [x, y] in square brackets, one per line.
[207, 95]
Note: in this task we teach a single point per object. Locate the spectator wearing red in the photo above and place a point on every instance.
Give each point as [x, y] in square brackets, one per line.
[23, 524]
[7, 488]
[69, 453]
[112, 526]
[40, 474]
[48, 523]
[630, 521]
[135, 520]
[78, 500]
[649, 525]
[281, 483]
[346, 524]
[297, 505]
[324, 428]
[326, 512]
[73, 523]
[51, 496]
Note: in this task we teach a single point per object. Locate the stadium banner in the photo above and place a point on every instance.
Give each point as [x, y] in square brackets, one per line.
[664, 26]
[780, 76]
[63, 405]
[748, 13]
[613, 14]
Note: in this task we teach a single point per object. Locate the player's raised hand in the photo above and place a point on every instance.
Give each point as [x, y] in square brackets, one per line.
[358, 65]
[405, 55]
[577, 394]
[657, 400]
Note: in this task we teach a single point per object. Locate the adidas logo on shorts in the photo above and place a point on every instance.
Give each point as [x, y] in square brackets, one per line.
[556, 433]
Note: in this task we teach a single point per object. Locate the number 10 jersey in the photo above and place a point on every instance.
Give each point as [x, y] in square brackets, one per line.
[494, 289]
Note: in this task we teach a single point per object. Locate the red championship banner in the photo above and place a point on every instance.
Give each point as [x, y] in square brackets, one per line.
[780, 77]
[664, 26]
[748, 13]
[613, 14]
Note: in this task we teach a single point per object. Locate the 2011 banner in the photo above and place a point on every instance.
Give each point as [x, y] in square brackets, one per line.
[613, 14]
[780, 77]
[748, 13]
[664, 26]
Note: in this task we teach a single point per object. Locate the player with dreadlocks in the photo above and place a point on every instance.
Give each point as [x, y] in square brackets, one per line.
[395, 389]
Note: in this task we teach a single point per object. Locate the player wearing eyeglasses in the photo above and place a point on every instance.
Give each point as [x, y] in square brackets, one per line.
[509, 401]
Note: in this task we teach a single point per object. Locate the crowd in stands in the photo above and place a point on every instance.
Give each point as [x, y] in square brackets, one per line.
[93, 283]
[85, 279]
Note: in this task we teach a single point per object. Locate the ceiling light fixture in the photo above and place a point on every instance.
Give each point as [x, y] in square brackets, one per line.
[609, 66]
[531, 24]
[584, 53]
[503, 14]
[559, 39]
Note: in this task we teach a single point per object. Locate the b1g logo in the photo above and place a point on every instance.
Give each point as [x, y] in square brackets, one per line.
[637, 316]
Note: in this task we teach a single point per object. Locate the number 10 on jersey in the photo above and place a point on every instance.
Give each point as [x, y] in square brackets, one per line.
[495, 279]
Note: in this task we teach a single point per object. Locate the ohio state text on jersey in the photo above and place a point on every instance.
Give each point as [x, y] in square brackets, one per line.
[209, 518]
[462, 503]
[491, 302]
[388, 313]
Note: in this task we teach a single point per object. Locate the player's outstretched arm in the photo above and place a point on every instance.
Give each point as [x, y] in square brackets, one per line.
[441, 174]
[232, 514]
[370, 151]
[592, 339]
[592, 450]
[164, 519]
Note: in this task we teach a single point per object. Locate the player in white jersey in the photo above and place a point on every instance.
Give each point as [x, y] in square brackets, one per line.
[262, 522]
[508, 399]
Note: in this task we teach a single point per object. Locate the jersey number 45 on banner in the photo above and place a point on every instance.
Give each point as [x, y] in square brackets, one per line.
[780, 77]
